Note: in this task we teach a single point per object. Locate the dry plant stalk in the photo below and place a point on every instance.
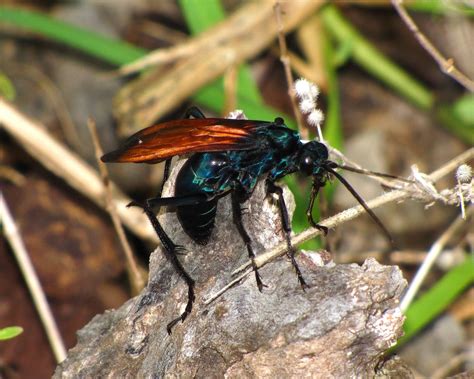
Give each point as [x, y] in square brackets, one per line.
[446, 369]
[309, 39]
[58, 159]
[410, 191]
[135, 276]
[446, 65]
[12, 235]
[285, 59]
[305, 70]
[431, 258]
[230, 89]
[10, 174]
[53, 95]
[63, 163]
[204, 58]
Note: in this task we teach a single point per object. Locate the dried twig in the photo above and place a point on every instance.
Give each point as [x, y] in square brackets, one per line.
[240, 37]
[385, 182]
[12, 175]
[433, 254]
[445, 370]
[162, 32]
[34, 286]
[309, 39]
[233, 32]
[62, 162]
[229, 285]
[302, 68]
[351, 213]
[230, 89]
[446, 64]
[285, 59]
[54, 96]
[136, 279]
[305, 70]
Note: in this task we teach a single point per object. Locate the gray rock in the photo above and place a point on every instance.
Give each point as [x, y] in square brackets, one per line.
[338, 327]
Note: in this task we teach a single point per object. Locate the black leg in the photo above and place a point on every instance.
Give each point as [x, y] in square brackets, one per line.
[285, 221]
[194, 112]
[190, 112]
[176, 201]
[317, 184]
[170, 249]
[237, 216]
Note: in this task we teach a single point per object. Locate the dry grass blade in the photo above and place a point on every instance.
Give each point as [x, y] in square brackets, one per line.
[446, 65]
[230, 90]
[433, 254]
[135, 277]
[240, 37]
[65, 164]
[309, 39]
[285, 59]
[351, 213]
[34, 286]
[237, 26]
[12, 175]
[51, 93]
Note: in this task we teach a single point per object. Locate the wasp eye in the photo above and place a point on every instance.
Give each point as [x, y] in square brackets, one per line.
[306, 164]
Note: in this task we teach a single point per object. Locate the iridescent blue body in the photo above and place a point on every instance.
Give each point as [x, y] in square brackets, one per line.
[217, 174]
[229, 157]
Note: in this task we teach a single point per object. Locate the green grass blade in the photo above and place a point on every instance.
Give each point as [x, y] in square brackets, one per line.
[440, 7]
[118, 53]
[377, 64]
[7, 89]
[113, 51]
[200, 16]
[437, 299]
[333, 126]
[458, 117]
[374, 61]
[452, 121]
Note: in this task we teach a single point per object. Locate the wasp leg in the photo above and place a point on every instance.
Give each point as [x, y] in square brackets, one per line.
[237, 217]
[194, 112]
[158, 202]
[190, 112]
[285, 221]
[170, 249]
[309, 211]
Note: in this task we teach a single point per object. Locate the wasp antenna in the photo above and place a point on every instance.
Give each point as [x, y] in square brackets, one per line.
[372, 173]
[361, 202]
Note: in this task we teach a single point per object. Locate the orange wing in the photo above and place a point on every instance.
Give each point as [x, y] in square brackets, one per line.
[162, 141]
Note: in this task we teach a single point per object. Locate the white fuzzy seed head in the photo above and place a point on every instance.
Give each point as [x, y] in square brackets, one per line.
[316, 117]
[464, 173]
[308, 93]
[314, 91]
[303, 88]
[307, 105]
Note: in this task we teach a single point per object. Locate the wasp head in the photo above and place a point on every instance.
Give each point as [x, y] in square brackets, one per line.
[312, 158]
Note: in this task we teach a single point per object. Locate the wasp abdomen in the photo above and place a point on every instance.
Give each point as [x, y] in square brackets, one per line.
[202, 174]
[198, 220]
